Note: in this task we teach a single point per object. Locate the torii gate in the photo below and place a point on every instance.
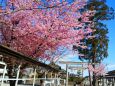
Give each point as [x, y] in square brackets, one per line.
[74, 63]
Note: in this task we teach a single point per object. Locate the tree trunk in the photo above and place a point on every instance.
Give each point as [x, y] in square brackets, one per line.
[94, 77]
[94, 80]
[11, 75]
[90, 78]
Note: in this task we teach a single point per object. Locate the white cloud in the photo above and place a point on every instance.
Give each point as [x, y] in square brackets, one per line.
[111, 67]
[69, 56]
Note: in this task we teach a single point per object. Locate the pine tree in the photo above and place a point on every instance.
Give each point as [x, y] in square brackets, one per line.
[97, 48]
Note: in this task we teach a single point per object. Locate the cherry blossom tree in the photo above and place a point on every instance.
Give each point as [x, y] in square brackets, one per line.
[98, 70]
[38, 28]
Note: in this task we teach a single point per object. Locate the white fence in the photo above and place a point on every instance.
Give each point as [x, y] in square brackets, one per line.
[31, 82]
[4, 81]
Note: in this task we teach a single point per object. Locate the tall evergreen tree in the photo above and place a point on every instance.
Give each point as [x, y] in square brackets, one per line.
[97, 47]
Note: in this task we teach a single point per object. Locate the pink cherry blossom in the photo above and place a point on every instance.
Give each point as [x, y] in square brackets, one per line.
[34, 27]
[98, 70]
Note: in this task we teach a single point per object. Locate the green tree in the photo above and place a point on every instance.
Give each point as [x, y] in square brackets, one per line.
[97, 47]
[79, 73]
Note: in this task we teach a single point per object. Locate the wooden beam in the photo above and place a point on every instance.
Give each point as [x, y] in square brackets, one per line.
[16, 55]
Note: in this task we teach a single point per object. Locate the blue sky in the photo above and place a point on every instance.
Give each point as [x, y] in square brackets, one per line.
[110, 60]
